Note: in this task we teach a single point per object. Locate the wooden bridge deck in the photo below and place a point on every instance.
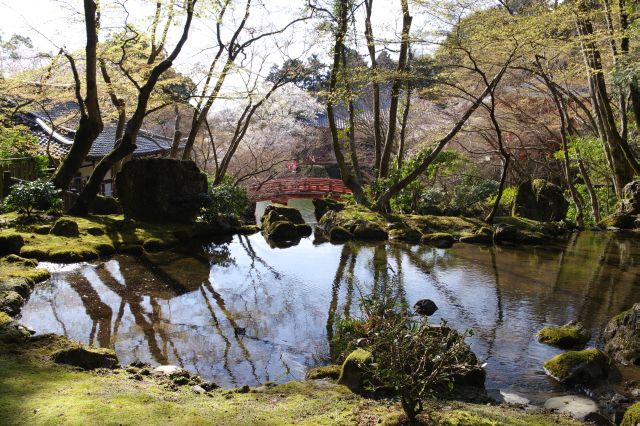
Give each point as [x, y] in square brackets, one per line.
[281, 190]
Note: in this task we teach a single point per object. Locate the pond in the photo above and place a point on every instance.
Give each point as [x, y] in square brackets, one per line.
[240, 312]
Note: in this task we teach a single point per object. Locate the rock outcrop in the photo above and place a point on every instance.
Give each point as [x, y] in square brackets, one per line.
[540, 200]
[10, 243]
[161, 190]
[622, 337]
[627, 213]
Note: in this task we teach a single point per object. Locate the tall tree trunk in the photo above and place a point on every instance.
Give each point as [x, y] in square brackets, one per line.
[506, 159]
[593, 197]
[620, 156]
[403, 126]
[177, 135]
[377, 119]
[395, 91]
[128, 143]
[341, 33]
[90, 120]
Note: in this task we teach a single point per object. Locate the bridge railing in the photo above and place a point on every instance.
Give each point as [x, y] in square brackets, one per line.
[309, 186]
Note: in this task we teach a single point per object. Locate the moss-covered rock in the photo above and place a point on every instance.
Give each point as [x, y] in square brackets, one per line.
[86, 358]
[438, 239]
[65, 228]
[14, 258]
[283, 224]
[353, 373]
[248, 229]
[406, 234]
[321, 206]
[156, 244]
[105, 205]
[576, 367]
[338, 233]
[483, 235]
[569, 336]
[11, 331]
[622, 336]
[10, 243]
[632, 416]
[618, 220]
[370, 231]
[325, 372]
[540, 200]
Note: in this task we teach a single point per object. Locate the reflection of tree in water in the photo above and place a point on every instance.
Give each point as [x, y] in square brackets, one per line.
[99, 312]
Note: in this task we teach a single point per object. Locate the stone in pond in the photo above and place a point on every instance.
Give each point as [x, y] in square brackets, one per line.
[170, 371]
[578, 367]
[426, 307]
[576, 406]
[570, 335]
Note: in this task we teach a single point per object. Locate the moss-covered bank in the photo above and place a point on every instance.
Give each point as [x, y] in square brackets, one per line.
[360, 223]
[34, 391]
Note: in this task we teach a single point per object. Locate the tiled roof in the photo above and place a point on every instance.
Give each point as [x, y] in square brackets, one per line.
[58, 144]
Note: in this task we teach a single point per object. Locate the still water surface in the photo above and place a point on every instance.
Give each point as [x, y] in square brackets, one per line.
[240, 312]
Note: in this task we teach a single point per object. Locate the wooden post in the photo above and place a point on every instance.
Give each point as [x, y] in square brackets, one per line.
[6, 183]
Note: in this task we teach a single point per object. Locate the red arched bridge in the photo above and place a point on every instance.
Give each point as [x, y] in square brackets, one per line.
[281, 190]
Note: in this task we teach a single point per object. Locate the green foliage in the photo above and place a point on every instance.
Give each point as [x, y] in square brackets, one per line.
[506, 201]
[29, 196]
[224, 199]
[16, 142]
[347, 331]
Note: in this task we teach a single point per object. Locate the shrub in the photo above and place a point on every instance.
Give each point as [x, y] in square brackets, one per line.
[224, 199]
[29, 196]
[414, 358]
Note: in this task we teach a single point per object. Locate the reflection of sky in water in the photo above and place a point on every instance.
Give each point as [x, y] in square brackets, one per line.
[263, 315]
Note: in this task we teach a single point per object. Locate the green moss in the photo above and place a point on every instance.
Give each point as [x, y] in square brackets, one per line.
[325, 372]
[22, 270]
[632, 415]
[567, 336]
[4, 319]
[448, 224]
[35, 391]
[563, 366]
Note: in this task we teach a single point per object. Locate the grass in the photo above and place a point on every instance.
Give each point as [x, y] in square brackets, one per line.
[34, 391]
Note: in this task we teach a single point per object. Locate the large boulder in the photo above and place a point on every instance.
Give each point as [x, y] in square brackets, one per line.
[11, 331]
[540, 200]
[161, 190]
[622, 337]
[578, 367]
